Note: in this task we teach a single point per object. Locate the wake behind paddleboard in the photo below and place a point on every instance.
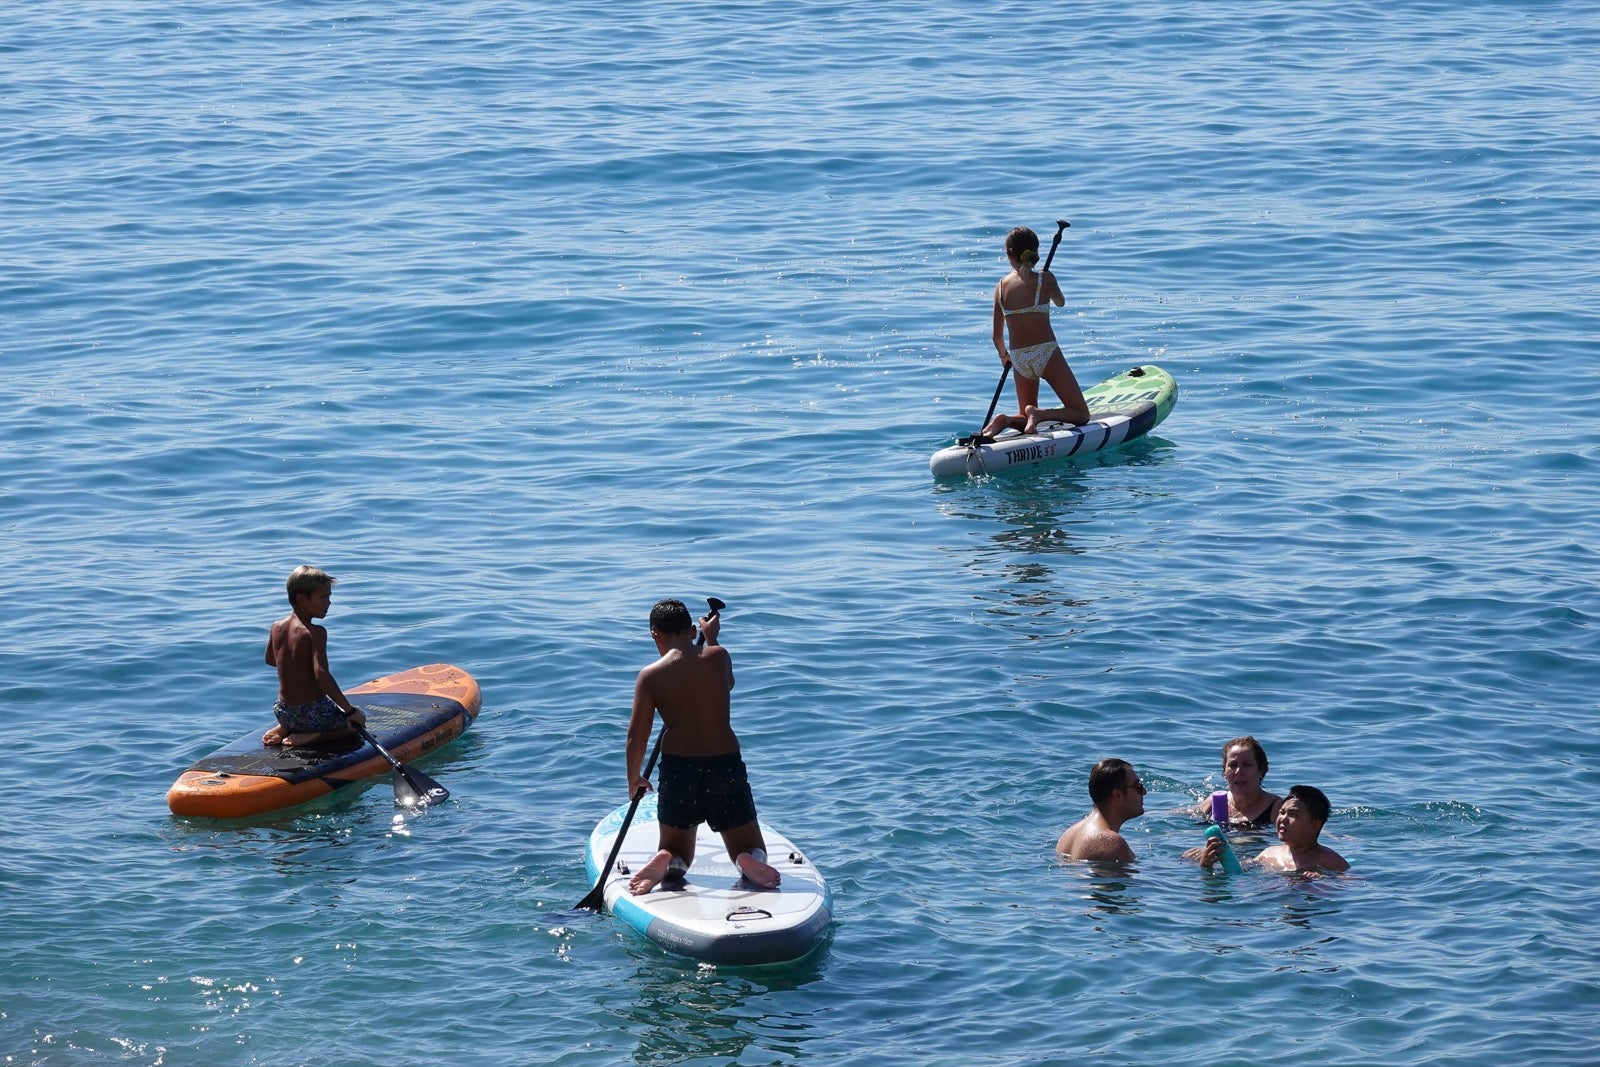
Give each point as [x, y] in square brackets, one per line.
[1121, 409]
[410, 713]
[713, 914]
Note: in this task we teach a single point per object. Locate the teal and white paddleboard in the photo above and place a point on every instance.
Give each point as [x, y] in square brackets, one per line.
[713, 914]
[1121, 409]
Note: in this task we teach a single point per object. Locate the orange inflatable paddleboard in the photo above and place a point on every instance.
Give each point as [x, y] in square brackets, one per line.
[410, 713]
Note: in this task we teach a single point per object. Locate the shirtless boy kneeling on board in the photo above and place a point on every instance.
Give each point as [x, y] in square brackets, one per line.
[703, 777]
[310, 708]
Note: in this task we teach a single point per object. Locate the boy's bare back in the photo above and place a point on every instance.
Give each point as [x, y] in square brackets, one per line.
[295, 649]
[691, 689]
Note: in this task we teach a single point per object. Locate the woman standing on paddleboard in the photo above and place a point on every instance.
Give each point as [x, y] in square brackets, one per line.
[1022, 302]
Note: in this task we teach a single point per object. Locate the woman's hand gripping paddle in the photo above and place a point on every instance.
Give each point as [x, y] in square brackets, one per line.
[980, 438]
[596, 899]
[412, 788]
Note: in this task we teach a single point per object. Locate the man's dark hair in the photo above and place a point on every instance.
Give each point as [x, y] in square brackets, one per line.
[1108, 776]
[670, 617]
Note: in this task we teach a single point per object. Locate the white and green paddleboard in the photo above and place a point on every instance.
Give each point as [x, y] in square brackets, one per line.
[1122, 408]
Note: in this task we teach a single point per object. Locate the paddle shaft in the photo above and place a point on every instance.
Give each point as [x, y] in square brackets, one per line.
[998, 386]
[1055, 242]
[428, 790]
[1061, 226]
[596, 898]
[373, 741]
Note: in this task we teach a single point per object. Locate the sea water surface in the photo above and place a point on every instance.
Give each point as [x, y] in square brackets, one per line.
[518, 316]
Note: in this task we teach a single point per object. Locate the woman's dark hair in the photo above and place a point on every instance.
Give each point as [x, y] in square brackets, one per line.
[1255, 746]
[1022, 245]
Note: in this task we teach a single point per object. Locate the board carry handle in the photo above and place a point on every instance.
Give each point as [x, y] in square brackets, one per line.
[978, 438]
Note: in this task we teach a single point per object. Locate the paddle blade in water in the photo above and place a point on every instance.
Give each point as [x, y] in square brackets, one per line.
[413, 789]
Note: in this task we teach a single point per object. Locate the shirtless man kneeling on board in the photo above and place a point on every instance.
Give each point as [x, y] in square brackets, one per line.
[702, 774]
[1118, 796]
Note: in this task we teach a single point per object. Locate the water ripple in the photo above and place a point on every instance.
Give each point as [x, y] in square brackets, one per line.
[517, 317]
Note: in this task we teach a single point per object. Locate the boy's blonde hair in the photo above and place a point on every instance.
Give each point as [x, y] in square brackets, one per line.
[304, 581]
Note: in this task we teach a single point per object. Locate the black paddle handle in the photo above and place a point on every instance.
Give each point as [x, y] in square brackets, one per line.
[716, 609]
[649, 766]
[1061, 227]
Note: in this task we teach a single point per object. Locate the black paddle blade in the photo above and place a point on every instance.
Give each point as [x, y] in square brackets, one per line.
[413, 789]
[716, 609]
[595, 901]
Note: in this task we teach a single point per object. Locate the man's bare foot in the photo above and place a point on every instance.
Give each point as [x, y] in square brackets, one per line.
[273, 736]
[677, 874]
[758, 871]
[648, 876]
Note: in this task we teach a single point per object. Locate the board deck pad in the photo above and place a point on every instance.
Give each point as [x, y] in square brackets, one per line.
[713, 914]
[1122, 408]
[393, 719]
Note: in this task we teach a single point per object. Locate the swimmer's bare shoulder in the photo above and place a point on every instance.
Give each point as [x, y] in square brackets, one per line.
[1085, 841]
[1322, 858]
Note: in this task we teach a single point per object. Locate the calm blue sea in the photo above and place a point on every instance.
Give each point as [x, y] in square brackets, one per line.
[517, 316]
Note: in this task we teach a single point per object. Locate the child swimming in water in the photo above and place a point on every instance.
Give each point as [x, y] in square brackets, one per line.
[1301, 818]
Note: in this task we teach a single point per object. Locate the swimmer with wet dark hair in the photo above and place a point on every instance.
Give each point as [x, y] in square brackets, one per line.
[1118, 795]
